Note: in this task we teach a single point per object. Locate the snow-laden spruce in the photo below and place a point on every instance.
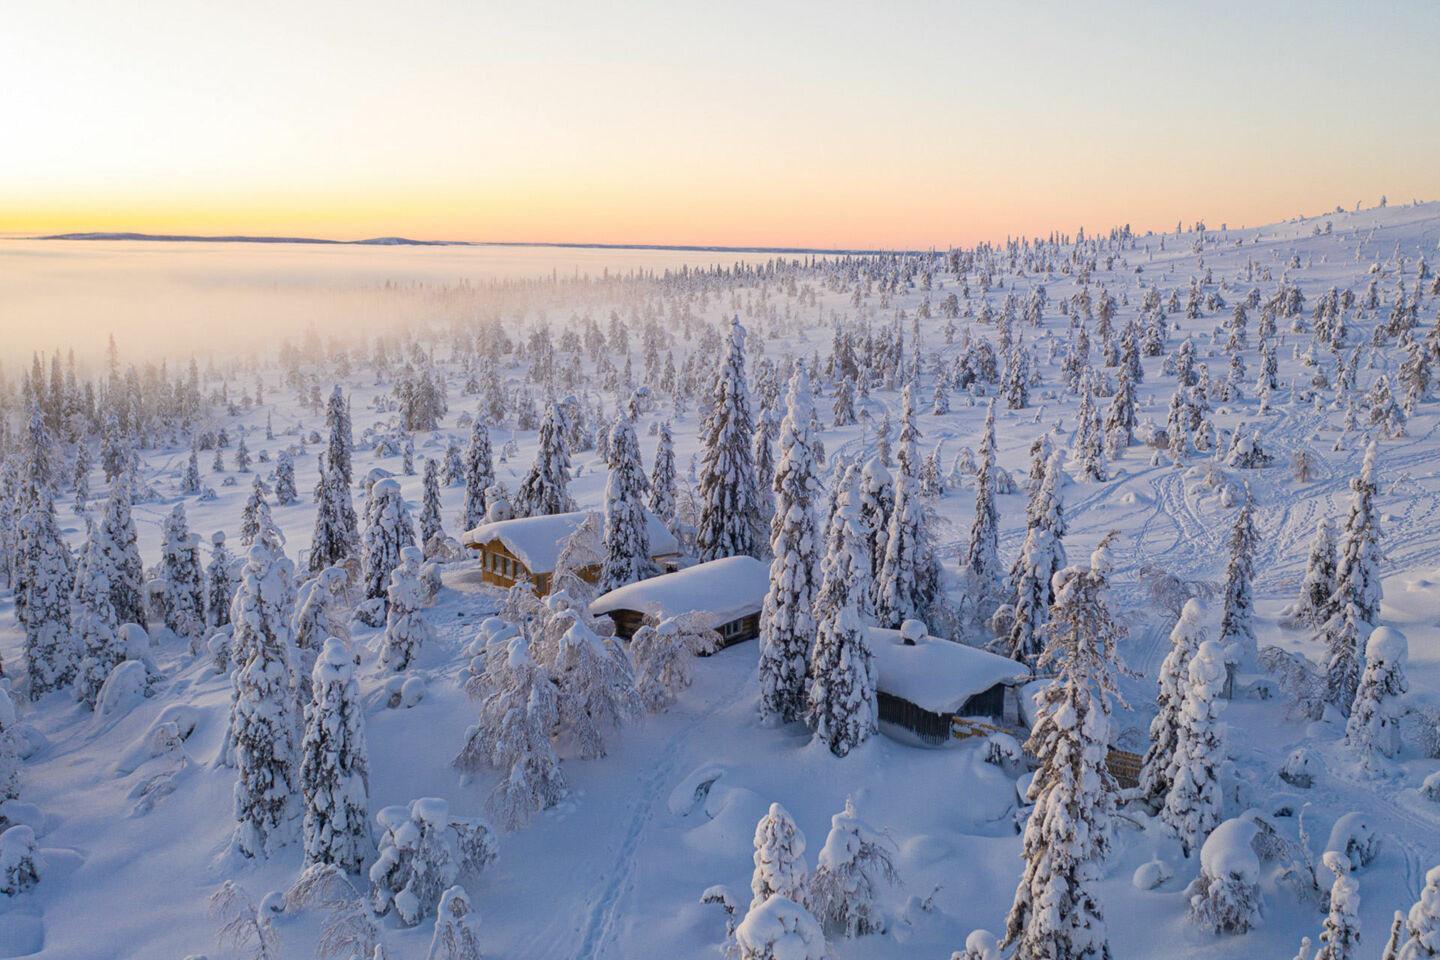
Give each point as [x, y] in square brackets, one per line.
[20, 860]
[780, 929]
[546, 488]
[518, 715]
[422, 851]
[255, 515]
[729, 523]
[340, 447]
[1057, 914]
[263, 729]
[219, 582]
[285, 493]
[1225, 897]
[1312, 608]
[627, 536]
[664, 653]
[1185, 639]
[1421, 937]
[319, 617]
[662, 477]
[907, 584]
[852, 869]
[787, 619]
[44, 580]
[180, 570]
[841, 705]
[388, 531]
[981, 563]
[877, 503]
[432, 528]
[406, 628]
[97, 628]
[117, 540]
[780, 869]
[10, 761]
[597, 687]
[1340, 937]
[457, 928]
[479, 474]
[1194, 803]
[1041, 557]
[336, 532]
[1373, 728]
[334, 765]
[1356, 603]
[1237, 634]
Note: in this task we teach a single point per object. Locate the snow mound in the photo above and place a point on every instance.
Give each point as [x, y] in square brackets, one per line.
[1229, 851]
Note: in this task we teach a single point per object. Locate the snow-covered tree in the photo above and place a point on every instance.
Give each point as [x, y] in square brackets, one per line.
[388, 531]
[1041, 556]
[981, 564]
[518, 716]
[181, 571]
[787, 619]
[877, 503]
[1312, 608]
[841, 699]
[1373, 728]
[545, 489]
[336, 526]
[318, 618]
[1089, 452]
[285, 479]
[662, 477]
[190, 480]
[117, 539]
[256, 514]
[334, 767]
[422, 851]
[457, 924]
[1356, 603]
[406, 628]
[780, 929]
[10, 761]
[341, 445]
[20, 861]
[729, 524]
[431, 525]
[1341, 935]
[93, 618]
[852, 869]
[1193, 805]
[780, 869]
[627, 534]
[1421, 938]
[664, 653]
[219, 584]
[1185, 639]
[1057, 913]
[44, 580]
[597, 686]
[1225, 897]
[263, 728]
[907, 583]
[479, 474]
[1237, 635]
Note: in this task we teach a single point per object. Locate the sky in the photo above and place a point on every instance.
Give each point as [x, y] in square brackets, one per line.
[899, 124]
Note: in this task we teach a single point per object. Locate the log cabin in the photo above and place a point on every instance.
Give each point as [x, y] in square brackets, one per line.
[732, 589]
[528, 548]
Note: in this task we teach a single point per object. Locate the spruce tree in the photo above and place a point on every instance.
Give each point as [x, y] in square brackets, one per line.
[1316, 590]
[341, 445]
[982, 557]
[336, 526]
[1356, 603]
[10, 761]
[729, 523]
[842, 708]
[430, 523]
[787, 619]
[219, 584]
[256, 514]
[545, 489]
[906, 585]
[1340, 937]
[662, 477]
[1237, 635]
[627, 534]
[853, 867]
[1041, 556]
[388, 531]
[117, 539]
[1185, 639]
[1194, 803]
[1421, 938]
[44, 580]
[1089, 453]
[285, 479]
[181, 572]
[780, 869]
[877, 503]
[479, 474]
[334, 767]
[406, 629]
[1056, 914]
[1373, 728]
[263, 727]
[95, 623]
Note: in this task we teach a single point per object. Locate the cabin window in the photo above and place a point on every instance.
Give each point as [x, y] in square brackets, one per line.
[732, 629]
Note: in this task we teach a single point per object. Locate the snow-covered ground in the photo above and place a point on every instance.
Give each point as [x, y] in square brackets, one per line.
[618, 868]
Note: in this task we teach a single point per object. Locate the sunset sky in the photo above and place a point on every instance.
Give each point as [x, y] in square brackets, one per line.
[899, 124]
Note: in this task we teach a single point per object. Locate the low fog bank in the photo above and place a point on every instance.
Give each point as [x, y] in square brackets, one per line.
[175, 300]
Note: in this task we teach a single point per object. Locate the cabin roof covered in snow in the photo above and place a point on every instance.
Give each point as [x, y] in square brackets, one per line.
[938, 675]
[730, 588]
[537, 541]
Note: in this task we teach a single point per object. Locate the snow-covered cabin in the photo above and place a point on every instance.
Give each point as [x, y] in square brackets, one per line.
[924, 684]
[732, 589]
[529, 547]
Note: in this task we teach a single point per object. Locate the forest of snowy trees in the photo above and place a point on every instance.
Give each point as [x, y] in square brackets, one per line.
[982, 446]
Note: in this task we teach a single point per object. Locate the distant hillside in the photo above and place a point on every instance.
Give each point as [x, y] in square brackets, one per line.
[180, 238]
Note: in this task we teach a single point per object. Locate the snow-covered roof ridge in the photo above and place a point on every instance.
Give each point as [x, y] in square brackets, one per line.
[537, 541]
[936, 674]
[730, 588]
